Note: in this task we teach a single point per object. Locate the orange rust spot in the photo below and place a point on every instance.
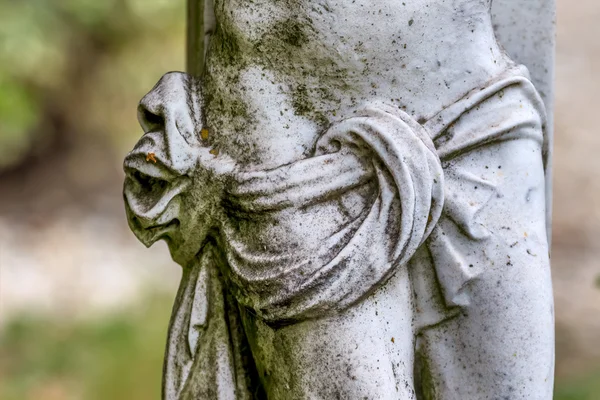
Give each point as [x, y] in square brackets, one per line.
[393, 341]
[525, 234]
[151, 157]
[204, 134]
[214, 152]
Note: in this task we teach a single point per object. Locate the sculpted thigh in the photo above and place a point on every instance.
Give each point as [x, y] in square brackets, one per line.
[365, 352]
[500, 346]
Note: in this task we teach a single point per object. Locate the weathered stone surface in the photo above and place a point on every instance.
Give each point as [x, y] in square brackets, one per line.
[527, 30]
[356, 194]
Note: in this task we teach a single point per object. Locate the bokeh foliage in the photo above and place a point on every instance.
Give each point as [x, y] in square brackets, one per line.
[71, 71]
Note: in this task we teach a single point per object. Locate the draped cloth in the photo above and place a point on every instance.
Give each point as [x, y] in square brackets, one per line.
[418, 191]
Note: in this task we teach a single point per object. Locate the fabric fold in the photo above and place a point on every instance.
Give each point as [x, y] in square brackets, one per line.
[394, 150]
[205, 339]
[410, 197]
[384, 144]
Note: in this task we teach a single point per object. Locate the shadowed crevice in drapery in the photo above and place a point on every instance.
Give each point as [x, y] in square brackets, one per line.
[207, 341]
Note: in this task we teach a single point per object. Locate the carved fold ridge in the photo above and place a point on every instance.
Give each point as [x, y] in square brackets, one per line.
[508, 108]
[203, 341]
[520, 115]
[349, 265]
[378, 143]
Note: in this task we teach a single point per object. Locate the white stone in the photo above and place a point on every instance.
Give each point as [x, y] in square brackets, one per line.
[356, 194]
[527, 30]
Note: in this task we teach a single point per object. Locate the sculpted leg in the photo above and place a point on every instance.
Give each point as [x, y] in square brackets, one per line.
[365, 352]
[501, 344]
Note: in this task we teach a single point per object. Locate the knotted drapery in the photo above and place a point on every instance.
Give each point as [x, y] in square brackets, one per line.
[410, 190]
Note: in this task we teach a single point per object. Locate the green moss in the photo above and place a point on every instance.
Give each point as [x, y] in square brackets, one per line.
[314, 78]
[424, 382]
[301, 101]
[222, 96]
[289, 32]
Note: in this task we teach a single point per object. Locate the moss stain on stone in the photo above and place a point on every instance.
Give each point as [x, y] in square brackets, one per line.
[314, 79]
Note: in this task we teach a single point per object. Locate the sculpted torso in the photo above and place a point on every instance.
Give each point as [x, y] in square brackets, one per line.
[279, 72]
[356, 192]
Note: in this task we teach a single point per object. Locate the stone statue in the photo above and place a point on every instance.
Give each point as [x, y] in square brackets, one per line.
[355, 191]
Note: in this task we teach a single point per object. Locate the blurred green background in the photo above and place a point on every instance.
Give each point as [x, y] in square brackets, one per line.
[84, 307]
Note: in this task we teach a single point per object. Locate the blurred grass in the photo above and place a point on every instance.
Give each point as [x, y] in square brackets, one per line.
[583, 388]
[118, 357]
[115, 357]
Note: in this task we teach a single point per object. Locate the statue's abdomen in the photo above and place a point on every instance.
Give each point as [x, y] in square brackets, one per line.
[278, 73]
